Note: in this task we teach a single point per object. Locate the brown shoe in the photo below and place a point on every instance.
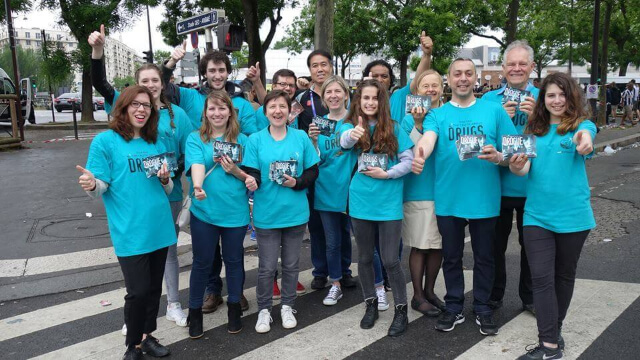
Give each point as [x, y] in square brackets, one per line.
[244, 303]
[211, 303]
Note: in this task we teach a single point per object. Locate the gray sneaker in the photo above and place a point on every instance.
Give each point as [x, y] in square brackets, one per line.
[335, 294]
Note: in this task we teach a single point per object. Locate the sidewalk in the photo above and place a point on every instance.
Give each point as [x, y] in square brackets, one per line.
[616, 137]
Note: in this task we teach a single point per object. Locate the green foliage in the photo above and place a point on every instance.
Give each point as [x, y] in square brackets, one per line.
[160, 55]
[120, 83]
[31, 63]
[240, 59]
[17, 6]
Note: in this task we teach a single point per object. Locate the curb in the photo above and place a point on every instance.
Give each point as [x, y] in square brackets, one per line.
[69, 126]
[615, 143]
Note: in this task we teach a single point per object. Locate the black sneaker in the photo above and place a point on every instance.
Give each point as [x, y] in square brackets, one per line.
[400, 321]
[540, 352]
[318, 282]
[133, 353]
[486, 324]
[348, 281]
[448, 321]
[370, 313]
[152, 347]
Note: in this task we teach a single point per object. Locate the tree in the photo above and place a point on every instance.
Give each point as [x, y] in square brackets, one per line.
[57, 67]
[17, 6]
[122, 82]
[160, 55]
[324, 29]
[32, 64]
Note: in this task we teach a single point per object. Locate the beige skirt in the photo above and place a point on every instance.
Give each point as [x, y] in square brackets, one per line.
[419, 226]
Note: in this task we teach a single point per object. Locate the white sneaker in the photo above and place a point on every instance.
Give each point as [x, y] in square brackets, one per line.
[335, 294]
[124, 330]
[382, 299]
[264, 321]
[175, 314]
[288, 320]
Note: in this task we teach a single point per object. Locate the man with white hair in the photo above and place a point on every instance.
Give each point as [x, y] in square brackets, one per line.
[517, 66]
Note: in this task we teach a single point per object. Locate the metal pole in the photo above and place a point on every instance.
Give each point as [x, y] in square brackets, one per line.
[208, 38]
[149, 29]
[16, 73]
[45, 50]
[75, 120]
[594, 54]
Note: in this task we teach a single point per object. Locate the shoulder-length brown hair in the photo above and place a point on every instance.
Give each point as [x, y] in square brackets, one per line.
[540, 121]
[384, 139]
[120, 121]
[233, 127]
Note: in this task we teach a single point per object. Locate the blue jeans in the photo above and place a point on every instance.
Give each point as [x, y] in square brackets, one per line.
[318, 244]
[204, 241]
[483, 233]
[338, 243]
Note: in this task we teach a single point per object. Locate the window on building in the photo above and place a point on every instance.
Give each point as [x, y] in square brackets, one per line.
[59, 37]
[38, 43]
[28, 42]
[27, 35]
[37, 35]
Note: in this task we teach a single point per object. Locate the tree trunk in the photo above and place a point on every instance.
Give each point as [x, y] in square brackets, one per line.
[594, 54]
[624, 64]
[403, 70]
[273, 22]
[602, 117]
[87, 95]
[323, 31]
[512, 22]
[253, 35]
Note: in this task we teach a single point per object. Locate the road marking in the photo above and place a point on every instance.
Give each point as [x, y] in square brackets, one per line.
[595, 305]
[339, 335]
[69, 261]
[74, 310]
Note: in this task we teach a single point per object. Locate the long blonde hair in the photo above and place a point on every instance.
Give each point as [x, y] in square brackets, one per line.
[233, 127]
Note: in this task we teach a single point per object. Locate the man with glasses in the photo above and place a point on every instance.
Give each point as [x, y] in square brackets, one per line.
[283, 79]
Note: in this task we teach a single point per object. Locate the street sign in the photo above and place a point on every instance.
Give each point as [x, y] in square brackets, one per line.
[194, 40]
[201, 21]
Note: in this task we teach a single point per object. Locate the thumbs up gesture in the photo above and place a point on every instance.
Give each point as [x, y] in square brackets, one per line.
[177, 54]
[418, 162]
[253, 73]
[96, 41]
[87, 181]
[426, 44]
[584, 143]
[358, 131]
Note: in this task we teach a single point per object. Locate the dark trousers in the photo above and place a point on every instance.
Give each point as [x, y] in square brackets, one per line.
[143, 279]
[553, 259]
[503, 229]
[483, 232]
[206, 239]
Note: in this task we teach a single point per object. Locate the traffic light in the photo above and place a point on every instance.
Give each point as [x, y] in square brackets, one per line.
[148, 56]
[230, 37]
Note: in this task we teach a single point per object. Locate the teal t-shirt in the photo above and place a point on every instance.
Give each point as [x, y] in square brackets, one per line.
[277, 206]
[262, 121]
[467, 189]
[192, 102]
[558, 188]
[513, 185]
[173, 138]
[138, 211]
[418, 187]
[336, 166]
[227, 202]
[398, 102]
[378, 199]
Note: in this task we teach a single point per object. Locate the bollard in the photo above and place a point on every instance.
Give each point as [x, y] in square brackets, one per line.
[75, 120]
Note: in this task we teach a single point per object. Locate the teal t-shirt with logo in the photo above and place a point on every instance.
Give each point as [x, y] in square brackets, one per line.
[262, 121]
[227, 201]
[174, 138]
[138, 211]
[336, 166]
[513, 185]
[378, 199]
[398, 102]
[277, 206]
[418, 187]
[467, 189]
[558, 195]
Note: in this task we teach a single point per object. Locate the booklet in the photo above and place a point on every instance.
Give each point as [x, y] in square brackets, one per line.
[470, 146]
[374, 160]
[326, 126]
[296, 109]
[414, 101]
[278, 169]
[518, 144]
[513, 94]
[153, 164]
[232, 150]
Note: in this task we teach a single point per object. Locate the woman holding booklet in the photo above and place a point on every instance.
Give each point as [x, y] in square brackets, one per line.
[555, 231]
[220, 209]
[375, 194]
[283, 164]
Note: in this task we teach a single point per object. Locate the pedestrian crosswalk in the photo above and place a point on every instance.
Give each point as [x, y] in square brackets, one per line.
[322, 333]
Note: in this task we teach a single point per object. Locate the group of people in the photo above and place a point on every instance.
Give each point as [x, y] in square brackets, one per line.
[628, 99]
[311, 171]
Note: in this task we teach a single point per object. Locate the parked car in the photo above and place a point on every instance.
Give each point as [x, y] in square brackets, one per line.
[98, 103]
[66, 101]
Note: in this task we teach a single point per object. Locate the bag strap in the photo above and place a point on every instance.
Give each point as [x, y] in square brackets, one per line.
[205, 176]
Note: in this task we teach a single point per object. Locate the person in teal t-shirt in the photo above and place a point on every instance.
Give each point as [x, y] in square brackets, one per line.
[466, 192]
[284, 162]
[173, 128]
[419, 225]
[220, 206]
[138, 211]
[375, 195]
[557, 214]
[331, 189]
[516, 68]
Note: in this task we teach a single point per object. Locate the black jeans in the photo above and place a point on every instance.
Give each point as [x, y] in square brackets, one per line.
[143, 279]
[503, 229]
[553, 259]
[483, 232]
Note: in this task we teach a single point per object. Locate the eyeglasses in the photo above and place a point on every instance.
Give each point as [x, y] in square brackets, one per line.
[285, 85]
[137, 105]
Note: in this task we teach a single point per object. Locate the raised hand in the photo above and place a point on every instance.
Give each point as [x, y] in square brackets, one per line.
[358, 131]
[87, 181]
[418, 162]
[584, 143]
[302, 83]
[426, 44]
[177, 54]
[253, 73]
[97, 40]
[418, 114]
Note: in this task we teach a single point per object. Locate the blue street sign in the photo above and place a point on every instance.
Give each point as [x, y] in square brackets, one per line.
[197, 22]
